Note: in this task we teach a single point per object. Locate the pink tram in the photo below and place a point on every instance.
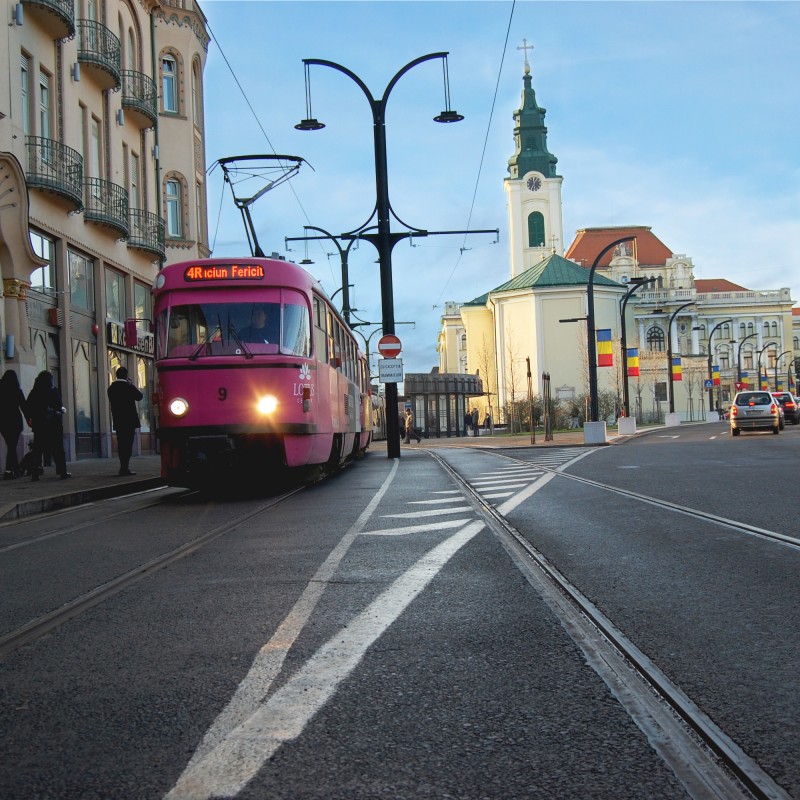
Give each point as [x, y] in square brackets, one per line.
[256, 371]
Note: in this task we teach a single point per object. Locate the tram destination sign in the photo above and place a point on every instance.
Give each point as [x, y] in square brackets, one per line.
[223, 272]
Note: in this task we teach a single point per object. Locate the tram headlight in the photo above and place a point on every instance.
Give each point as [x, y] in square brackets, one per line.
[178, 407]
[267, 404]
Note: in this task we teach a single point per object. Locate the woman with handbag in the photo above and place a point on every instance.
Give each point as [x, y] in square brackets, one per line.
[45, 416]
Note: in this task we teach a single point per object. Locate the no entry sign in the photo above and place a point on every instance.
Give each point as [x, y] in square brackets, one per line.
[389, 346]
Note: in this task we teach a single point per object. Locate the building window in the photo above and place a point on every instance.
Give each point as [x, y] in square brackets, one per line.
[24, 80]
[142, 306]
[196, 93]
[198, 204]
[535, 229]
[750, 328]
[656, 339]
[133, 189]
[115, 296]
[44, 105]
[81, 281]
[172, 196]
[43, 279]
[169, 84]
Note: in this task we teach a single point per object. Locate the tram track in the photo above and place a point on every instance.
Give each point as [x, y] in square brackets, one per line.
[731, 524]
[43, 624]
[703, 757]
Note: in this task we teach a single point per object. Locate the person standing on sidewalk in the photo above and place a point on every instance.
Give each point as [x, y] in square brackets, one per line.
[122, 399]
[45, 416]
[12, 409]
[475, 427]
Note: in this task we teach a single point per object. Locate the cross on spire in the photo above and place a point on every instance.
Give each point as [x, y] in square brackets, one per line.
[525, 47]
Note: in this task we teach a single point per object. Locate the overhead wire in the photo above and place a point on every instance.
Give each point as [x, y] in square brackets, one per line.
[483, 153]
[261, 128]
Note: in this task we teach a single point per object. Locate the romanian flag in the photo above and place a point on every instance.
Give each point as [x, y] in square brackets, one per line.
[745, 381]
[780, 385]
[715, 375]
[764, 382]
[633, 362]
[677, 369]
[605, 356]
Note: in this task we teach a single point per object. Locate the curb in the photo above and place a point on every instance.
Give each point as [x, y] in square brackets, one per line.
[27, 508]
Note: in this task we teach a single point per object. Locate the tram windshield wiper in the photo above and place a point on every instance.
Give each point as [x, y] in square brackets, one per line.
[235, 336]
[205, 343]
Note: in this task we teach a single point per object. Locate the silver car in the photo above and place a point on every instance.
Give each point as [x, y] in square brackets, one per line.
[755, 410]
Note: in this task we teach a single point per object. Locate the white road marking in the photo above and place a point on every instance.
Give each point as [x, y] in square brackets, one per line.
[431, 512]
[437, 500]
[495, 495]
[269, 660]
[227, 769]
[432, 526]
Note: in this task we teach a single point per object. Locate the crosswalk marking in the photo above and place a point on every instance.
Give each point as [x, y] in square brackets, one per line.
[432, 512]
[433, 526]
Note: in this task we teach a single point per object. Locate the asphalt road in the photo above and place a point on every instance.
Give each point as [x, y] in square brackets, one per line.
[369, 637]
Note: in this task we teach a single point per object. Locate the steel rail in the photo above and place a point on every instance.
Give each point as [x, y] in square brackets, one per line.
[736, 525]
[42, 625]
[704, 777]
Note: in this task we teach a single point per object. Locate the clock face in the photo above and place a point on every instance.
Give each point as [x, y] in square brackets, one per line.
[534, 184]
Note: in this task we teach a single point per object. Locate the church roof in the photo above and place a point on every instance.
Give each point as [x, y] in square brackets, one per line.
[553, 271]
[478, 301]
[588, 242]
[703, 285]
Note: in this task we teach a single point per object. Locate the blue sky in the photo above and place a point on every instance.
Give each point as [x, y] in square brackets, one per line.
[684, 116]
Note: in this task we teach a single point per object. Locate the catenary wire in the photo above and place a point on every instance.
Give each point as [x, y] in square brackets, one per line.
[261, 128]
[483, 152]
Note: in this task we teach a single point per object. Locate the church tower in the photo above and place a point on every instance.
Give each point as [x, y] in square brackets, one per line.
[533, 189]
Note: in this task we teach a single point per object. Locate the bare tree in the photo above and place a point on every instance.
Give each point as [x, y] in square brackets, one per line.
[512, 376]
[487, 368]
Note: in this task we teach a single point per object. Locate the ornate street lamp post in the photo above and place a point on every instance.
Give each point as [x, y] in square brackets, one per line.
[739, 356]
[710, 362]
[344, 253]
[591, 344]
[788, 375]
[669, 354]
[758, 363]
[637, 283]
[383, 240]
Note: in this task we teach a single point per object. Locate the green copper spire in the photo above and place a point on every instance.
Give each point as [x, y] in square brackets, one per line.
[530, 133]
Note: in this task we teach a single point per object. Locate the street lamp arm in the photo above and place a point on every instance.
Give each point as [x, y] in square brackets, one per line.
[350, 74]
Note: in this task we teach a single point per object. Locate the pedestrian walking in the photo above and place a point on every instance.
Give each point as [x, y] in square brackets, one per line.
[475, 426]
[122, 399]
[410, 429]
[487, 422]
[12, 413]
[46, 417]
[467, 423]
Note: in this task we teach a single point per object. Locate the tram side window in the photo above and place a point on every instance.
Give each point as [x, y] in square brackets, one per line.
[296, 337]
[320, 330]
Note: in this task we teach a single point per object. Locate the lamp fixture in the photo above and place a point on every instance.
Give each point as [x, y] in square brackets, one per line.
[18, 15]
[121, 117]
[309, 123]
[448, 115]
[76, 71]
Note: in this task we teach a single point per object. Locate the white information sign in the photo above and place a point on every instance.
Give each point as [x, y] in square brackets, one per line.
[390, 370]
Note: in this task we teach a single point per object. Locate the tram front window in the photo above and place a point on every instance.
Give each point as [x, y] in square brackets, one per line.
[234, 329]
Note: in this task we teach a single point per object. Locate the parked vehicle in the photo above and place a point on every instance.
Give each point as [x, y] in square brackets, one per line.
[791, 410]
[755, 410]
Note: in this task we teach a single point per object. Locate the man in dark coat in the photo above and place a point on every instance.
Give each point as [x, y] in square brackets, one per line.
[122, 398]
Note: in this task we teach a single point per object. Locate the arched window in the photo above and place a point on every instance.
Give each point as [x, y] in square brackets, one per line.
[535, 229]
[169, 84]
[655, 339]
[742, 330]
[174, 204]
[197, 94]
[660, 281]
[775, 329]
[750, 328]
[766, 329]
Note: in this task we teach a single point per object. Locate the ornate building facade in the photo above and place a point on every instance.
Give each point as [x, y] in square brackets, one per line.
[102, 180]
[723, 335]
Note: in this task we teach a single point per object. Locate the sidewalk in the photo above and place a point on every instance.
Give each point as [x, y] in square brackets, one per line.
[96, 478]
[92, 479]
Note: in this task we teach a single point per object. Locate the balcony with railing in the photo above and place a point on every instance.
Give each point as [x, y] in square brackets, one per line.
[139, 98]
[147, 232]
[100, 51]
[57, 17]
[106, 203]
[53, 167]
